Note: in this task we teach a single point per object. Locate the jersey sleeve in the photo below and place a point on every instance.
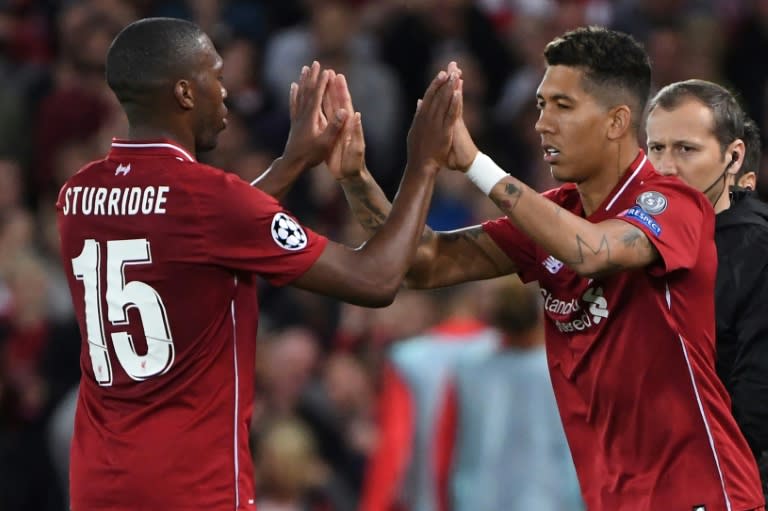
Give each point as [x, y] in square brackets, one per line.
[516, 244]
[675, 219]
[246, 229]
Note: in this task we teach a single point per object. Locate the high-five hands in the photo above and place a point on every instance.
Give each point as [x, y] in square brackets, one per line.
[325, 126]
[432, 130]
[312, 135]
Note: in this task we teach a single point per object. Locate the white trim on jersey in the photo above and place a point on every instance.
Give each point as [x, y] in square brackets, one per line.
[626, 183]
[237, 405]
[262, 176]
[130, 145]
[711, 439]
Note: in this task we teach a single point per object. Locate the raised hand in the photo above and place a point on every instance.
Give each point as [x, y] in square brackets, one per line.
[432, 130]
[347, 157]
[312, 135]
[463, 148]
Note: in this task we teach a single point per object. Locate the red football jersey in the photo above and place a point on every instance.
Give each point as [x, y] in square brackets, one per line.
[632, 357]
[162, 255]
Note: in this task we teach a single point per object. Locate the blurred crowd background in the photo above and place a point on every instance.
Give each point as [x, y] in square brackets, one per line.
[319, 363]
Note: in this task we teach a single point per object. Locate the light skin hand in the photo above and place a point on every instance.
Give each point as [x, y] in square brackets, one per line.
[347, 157]
[463, 150]
[431, 133]
[312, 135]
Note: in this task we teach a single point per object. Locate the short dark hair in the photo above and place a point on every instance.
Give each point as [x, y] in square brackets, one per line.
[616, 67]
[149, 53]
[753, 150]
[728, 118]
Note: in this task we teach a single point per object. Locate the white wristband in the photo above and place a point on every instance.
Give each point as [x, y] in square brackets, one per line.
[484, 173]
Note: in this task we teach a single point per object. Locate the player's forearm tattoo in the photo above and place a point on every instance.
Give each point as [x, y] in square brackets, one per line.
[511, 196]
[471, 237]
[370, 212]
[370, 215]
[584, 250]
[632, 237]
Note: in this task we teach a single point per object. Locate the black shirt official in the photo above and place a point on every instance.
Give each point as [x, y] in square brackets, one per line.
[741, 304]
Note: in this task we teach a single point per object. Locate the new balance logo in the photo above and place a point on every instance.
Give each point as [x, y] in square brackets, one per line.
[123, 169]
[552, 265]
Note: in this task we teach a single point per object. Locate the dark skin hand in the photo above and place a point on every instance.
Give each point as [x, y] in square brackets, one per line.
[312, 135]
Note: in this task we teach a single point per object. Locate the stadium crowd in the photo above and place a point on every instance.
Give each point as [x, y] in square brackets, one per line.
[320, 364]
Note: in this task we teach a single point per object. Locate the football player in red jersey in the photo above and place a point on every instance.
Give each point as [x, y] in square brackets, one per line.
[626, 261]
[162, 254]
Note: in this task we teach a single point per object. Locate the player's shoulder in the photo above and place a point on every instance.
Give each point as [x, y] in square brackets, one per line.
[85, 172]
[204, 179]
[672, 184]
[83, 176]
[200, 173]
[657, 191]
[210, 187]
[208, 177]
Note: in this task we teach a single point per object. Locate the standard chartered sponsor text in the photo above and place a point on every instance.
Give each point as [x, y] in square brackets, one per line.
[594, 300]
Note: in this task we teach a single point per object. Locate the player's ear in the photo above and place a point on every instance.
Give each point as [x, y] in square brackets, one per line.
[619, 121]
[182, 91]
[748, 180]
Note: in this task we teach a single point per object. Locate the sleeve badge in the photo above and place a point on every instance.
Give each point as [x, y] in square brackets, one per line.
[287, 233]
[652, 202]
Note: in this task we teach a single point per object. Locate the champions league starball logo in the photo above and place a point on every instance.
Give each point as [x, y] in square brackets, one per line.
[652, 202]
[287, 233]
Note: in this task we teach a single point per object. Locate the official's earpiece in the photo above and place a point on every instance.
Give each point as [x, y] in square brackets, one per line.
[734, 159]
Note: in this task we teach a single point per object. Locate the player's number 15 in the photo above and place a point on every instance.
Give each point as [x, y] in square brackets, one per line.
[120, 297]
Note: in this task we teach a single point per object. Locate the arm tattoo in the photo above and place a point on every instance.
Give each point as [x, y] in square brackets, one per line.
[511, 197]
[370, 216]
[471, 237]
[584, 249]
[632, 237]
[635, 238]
